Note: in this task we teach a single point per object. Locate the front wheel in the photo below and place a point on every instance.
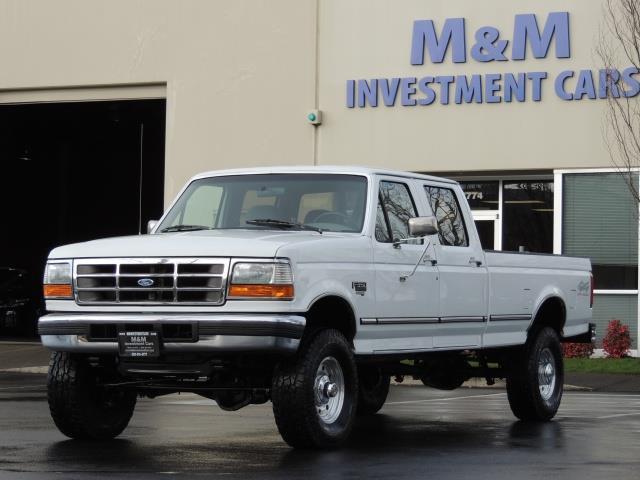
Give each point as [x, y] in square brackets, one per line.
[80, 408]
[315, 394]
[536, 377]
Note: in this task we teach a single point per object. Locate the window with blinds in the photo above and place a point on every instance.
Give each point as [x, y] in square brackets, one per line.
[600, 221]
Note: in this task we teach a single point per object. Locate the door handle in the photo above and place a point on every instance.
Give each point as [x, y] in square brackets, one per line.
[433, 261]
[473, 260]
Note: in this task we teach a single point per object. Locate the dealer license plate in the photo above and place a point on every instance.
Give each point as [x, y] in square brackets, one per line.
[139, 344]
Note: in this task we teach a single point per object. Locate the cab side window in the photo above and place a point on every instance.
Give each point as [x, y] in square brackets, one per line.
[395, 208]
[446, 208]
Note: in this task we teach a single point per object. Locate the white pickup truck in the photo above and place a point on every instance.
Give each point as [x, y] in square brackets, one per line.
[309, 287]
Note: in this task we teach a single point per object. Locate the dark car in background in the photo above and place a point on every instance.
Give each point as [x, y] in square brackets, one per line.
[20, 303]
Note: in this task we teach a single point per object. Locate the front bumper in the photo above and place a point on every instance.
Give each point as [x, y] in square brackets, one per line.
[96, 333]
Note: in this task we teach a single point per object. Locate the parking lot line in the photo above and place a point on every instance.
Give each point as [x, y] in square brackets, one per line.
[21, 387]
[446, 399]
[601, 395]
[618, 415]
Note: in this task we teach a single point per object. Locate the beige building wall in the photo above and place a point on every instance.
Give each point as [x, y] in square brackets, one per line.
[364, 39]
[239, 74]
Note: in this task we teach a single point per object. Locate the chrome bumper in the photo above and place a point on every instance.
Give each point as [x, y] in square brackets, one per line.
[240, 333]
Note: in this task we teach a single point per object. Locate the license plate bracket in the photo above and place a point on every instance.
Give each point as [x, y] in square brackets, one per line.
[139, 344]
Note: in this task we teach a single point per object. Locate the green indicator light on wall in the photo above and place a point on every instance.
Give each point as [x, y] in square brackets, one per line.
[314, 117]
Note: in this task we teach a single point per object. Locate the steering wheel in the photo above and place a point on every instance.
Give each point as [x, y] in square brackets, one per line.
[341, 217]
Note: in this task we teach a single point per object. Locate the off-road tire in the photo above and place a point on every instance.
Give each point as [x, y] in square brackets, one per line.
[79, 408]
[373, 388]
[523, 379]
[294, 397]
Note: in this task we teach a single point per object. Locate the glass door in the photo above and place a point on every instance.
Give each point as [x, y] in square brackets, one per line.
[487, 226]
[483, 197]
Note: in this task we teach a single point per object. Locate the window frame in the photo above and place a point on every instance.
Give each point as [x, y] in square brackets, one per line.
[425, 186]
[558, 180]
[368, 184]
[384, 210]
[506, 216]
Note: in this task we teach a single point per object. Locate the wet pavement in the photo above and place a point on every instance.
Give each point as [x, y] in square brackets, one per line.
[21, 354]
[468, 433]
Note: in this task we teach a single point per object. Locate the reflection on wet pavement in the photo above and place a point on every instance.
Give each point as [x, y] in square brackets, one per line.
[420, 432]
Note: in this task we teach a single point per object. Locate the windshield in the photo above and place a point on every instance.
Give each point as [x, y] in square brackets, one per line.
[331, 203]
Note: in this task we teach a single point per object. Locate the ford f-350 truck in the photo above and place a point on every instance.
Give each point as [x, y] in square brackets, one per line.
[308, 287]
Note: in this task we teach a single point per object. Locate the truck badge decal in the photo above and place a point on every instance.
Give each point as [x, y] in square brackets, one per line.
[583, 289]
[146, 282]
[359, 287]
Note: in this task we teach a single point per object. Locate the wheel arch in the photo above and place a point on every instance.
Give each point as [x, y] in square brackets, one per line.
[551, 312]
[331, 311]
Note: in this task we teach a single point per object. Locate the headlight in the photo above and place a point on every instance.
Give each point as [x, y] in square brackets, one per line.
[262, 280]
[57, 280]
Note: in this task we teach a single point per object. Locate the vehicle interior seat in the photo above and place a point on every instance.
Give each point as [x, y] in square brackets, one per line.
[312, 215]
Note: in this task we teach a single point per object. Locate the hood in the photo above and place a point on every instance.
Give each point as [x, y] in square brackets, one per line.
[204, 243]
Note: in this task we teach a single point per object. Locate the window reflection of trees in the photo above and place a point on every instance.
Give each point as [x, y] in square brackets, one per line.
[450, 222]
[382, 232]
[399, 207]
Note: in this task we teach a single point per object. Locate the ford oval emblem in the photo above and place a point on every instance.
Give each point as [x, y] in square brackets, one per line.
[145, 282]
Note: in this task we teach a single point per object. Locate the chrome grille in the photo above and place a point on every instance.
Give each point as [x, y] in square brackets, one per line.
[149, 281]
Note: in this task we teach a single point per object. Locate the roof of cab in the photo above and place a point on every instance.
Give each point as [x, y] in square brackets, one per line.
[341, 169]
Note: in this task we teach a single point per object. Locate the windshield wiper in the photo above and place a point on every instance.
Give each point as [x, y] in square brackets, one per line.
[268, 222]
[184, 228]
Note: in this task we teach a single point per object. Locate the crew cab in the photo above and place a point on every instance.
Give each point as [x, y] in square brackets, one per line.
[309, 287]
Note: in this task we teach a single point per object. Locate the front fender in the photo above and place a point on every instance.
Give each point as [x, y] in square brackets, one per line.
[328, 288]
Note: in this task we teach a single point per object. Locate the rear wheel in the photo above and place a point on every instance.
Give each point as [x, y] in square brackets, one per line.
[373, 388]
[315, 394]
[79, 407]
[536, 377]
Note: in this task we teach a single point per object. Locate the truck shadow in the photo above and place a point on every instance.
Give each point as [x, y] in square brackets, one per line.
[377, 440]
[384, 431]
[384, 440]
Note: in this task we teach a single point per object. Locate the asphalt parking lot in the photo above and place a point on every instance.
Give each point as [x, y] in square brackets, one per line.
[468, 433]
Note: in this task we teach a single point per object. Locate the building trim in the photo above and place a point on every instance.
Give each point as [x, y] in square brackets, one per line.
[557, 212]
[615, 292]
[562, 171]
[599, 353]
[487, 175]
[84, 93]
[497, 241]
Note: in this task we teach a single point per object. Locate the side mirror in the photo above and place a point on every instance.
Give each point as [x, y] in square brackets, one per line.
[423, 226]
[151, 224]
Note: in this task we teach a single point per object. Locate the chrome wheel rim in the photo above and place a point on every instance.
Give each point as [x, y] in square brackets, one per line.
[329, 390]
[546, 374]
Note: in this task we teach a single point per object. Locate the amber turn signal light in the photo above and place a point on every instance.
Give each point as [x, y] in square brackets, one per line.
[282, 292]
[58, 291]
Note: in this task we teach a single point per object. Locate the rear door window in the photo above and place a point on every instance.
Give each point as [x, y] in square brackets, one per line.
[444, 204]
